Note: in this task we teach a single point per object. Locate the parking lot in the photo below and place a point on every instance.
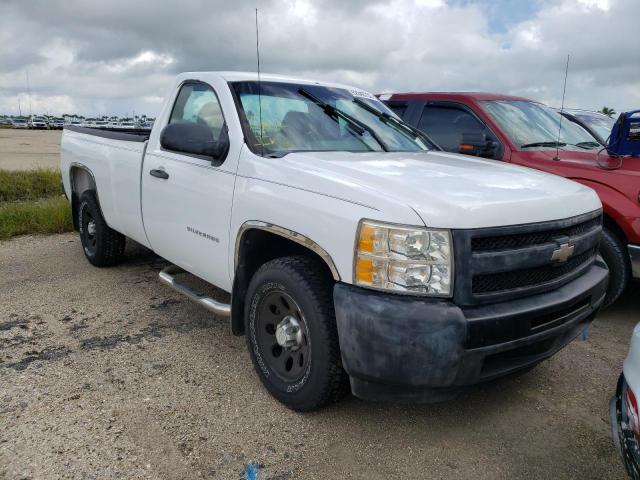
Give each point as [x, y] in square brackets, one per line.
[109, 374]
[22, 149]
[106, 373]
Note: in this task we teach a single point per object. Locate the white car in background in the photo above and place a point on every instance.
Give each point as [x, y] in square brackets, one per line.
[20, 123]
[38, 122]
[56, 123]
[625, 418]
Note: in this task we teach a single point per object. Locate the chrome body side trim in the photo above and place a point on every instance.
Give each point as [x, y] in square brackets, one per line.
[289, 234]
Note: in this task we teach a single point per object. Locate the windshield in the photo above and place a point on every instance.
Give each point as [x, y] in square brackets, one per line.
[533, 124]
[601, 124]
[298, 117]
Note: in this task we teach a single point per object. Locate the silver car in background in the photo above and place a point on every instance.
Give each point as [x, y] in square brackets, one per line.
[625, 416]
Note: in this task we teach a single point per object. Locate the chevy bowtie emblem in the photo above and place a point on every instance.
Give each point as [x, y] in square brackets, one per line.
[562, 253]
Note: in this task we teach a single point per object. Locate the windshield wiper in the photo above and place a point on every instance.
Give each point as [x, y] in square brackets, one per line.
[588, 145]
[399, 125]
[543, 144]
[356, 125]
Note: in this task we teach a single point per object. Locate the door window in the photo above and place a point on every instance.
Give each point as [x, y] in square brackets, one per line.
[457, 130]
[398, 108]
[198, 103]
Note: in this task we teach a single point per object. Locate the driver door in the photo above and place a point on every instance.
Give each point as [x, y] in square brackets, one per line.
[186, 198]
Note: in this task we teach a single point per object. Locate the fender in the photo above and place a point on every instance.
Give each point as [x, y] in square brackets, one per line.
[241, 278]
[617, 206]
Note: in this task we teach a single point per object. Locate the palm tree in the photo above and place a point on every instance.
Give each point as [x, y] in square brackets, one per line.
[609, 112]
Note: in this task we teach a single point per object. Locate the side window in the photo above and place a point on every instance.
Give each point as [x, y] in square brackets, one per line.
[197, 103]
[458, 131]
[398, 108]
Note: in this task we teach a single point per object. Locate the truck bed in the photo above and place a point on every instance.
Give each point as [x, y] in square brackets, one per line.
[114, 133]
[114, 159]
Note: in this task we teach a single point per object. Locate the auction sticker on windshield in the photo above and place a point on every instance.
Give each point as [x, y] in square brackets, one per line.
[361, 93]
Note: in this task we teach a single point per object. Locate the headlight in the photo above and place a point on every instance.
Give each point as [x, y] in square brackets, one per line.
[404, 259]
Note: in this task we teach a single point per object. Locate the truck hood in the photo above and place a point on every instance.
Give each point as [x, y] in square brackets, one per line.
[446, 190]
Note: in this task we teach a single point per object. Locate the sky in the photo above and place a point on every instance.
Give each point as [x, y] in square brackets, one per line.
[116, 57]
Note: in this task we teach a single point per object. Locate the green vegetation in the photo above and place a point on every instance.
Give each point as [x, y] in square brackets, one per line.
[28, 185]
[49, 215]
[609, 112]
[31, 202]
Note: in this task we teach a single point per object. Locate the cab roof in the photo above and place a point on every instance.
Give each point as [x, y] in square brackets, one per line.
[265, 77]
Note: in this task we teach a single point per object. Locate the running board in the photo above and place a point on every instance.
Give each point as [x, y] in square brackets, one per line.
[167, 276]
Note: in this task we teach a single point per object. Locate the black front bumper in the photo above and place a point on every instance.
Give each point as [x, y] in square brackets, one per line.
[409, 349]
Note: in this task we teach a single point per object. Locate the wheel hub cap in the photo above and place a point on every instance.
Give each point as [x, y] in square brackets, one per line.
[91, 228]
[289, 333]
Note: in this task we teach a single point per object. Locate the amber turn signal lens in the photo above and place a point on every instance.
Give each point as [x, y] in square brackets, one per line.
[364, 270]
[367, 236]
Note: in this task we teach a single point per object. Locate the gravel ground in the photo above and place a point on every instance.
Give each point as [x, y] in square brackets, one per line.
[106, 373]
[29, 149]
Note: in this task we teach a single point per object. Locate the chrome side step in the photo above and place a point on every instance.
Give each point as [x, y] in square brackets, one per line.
[167, 276]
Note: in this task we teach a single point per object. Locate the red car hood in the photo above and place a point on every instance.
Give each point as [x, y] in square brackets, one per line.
[588, 158]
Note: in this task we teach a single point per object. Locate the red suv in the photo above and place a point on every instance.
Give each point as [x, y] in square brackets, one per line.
[524, 132]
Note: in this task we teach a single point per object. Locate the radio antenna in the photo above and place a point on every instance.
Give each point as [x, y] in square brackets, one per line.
[259, 86]
[564, 89]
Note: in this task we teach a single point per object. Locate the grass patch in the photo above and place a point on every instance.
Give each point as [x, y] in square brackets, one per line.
[48, 215]
[28, 184]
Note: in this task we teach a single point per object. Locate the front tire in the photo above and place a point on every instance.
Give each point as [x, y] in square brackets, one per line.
[614, 254]
[102, 245]
[291, 333]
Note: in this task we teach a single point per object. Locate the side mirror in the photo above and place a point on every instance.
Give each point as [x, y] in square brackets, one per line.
[193, 138]
[477, 144]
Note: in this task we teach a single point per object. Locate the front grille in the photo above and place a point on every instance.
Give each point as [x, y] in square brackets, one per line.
[507, 242]
[497, 282]
[502, 263]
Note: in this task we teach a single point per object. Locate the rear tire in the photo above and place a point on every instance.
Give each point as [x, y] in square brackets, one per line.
[614, 254]
[102, 245]
[295, 296]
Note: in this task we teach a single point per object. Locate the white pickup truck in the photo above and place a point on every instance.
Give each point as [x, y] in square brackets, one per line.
[355, 252]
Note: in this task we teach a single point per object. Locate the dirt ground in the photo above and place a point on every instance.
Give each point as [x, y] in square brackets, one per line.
[29, 149]
[106, 373]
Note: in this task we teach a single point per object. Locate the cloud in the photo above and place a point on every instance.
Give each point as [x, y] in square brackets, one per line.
[103, 57]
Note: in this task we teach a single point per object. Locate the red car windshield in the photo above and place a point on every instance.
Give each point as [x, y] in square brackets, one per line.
[531, 124]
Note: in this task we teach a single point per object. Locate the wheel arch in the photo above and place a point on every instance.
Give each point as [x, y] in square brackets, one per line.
[81, 179]
[610, 224]
[259, 242]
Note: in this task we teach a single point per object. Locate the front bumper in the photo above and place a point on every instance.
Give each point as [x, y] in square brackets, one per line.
[411, 349]
[623, 438]
[634, 255]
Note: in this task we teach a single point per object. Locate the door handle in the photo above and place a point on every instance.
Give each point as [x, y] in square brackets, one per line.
[159, 174]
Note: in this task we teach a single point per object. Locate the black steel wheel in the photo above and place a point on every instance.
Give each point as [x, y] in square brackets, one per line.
[102, 245]
[282, 335]
[88, 231]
